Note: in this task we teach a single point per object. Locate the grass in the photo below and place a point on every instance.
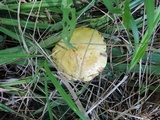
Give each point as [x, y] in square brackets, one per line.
[30, 86]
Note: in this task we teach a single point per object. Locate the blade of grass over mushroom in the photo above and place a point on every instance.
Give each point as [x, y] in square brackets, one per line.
[68, 21]
[62, 92]
[139, 52]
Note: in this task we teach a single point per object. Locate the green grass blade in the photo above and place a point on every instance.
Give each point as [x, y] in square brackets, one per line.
[10, 33]
[126, 15]
[66, 98]
[14, 22]
[68, 21]
[150, 14]
[13, 35]
[10, 110]
[6, 108]
[135, 32]
[154, 69]
[50, 41]
[11, 50]
[87, 7]
[28, 6]
[19, 55]
[129, 22]
[17, 82]
[111, 8]
[47, 99]
[13, 54]
[135, 3]
[138, 54]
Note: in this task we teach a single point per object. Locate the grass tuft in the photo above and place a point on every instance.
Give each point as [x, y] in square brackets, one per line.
[32, 87]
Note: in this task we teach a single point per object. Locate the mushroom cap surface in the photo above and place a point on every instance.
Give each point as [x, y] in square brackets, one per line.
[87, 60]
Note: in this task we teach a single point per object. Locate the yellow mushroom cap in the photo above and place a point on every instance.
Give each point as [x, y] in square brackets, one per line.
[87, 60]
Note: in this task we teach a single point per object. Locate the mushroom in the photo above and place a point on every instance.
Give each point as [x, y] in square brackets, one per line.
[87, 60]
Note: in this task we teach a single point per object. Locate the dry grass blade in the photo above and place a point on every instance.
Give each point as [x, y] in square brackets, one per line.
[107, 95]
